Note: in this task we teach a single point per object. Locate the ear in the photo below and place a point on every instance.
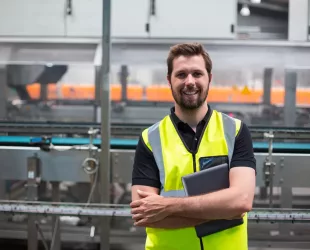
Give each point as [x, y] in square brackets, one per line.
[210, 77]
[169, 80]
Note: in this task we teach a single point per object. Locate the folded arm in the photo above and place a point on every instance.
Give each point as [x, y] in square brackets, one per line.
[174, 222]
[224, 204]
[170, 222]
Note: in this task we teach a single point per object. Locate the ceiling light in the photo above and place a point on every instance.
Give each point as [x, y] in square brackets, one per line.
[255, 1]
[245, 11]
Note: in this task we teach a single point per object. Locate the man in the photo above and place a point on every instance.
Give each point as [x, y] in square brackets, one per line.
[192, 137]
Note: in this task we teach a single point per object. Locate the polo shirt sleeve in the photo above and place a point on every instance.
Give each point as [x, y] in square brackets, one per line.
[243, 152]
[145, 171]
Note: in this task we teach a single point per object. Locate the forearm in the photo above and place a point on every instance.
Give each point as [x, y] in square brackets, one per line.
[224, 204]
[176, 222]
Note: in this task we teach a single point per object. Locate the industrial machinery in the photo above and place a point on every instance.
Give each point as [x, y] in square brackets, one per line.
[50, 184]
[48, 101]
[67, 152]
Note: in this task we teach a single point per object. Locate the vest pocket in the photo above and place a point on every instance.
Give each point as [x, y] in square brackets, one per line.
[206, 162]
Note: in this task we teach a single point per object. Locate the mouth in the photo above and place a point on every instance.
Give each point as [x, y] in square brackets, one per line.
[190, 92]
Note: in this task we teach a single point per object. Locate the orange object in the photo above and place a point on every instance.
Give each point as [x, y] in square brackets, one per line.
[134, 92]
[162, 93]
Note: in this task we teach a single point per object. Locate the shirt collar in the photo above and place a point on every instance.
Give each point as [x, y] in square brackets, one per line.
[176, 120]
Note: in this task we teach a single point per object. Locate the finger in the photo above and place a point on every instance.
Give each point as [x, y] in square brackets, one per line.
[141, 223]
[137, 217]
[137, 210]
[136, 203]
[144, 194]
[237, 217]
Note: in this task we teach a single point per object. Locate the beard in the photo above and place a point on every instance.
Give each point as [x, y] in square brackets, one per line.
[190, 101]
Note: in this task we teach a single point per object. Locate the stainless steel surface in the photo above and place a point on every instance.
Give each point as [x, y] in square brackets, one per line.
[291, 170]
[269, 164]
[42, 53]
[121, 165]
[56, 239]
[267, 85]
[63, 165]
[33, 172]
[290, 98]
[3, 92]
[291, 190]
[104, 168]
[97, 103]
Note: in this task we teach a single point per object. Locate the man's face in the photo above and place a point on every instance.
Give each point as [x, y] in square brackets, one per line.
[189, 82]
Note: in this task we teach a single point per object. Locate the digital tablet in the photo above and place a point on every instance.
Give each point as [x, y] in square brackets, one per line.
[206, 181]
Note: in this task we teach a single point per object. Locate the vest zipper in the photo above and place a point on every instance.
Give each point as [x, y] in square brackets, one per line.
[195, 170]
[194, 161]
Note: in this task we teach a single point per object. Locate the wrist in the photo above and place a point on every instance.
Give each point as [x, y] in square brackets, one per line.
[174, 205]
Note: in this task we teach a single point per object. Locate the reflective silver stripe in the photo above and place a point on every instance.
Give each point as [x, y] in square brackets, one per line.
[154, 140]
[173, 193]
[229, 131]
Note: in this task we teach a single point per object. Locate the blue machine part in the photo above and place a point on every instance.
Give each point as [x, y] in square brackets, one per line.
[131, 143]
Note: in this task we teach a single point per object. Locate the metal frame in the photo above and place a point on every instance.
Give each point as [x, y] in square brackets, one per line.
[3, 92]
[67, 165]
[104, 169]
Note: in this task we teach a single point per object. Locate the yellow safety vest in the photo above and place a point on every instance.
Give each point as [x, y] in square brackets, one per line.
[174, 161]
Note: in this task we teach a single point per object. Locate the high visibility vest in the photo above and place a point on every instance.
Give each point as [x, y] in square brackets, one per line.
[174, 160]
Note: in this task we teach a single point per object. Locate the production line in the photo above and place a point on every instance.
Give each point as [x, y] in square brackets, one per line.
[59, 163]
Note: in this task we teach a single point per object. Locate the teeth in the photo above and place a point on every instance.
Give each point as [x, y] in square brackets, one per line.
[190, 93]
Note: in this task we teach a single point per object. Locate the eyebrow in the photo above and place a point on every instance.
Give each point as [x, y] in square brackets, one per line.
[184, 70]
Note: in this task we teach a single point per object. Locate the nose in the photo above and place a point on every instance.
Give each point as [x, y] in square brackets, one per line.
[190, 80]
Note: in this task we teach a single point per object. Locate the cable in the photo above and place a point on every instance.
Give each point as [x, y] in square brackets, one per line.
[91, 193]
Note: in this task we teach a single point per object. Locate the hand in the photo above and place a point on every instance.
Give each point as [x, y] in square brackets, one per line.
[237, 217]
[149, 209]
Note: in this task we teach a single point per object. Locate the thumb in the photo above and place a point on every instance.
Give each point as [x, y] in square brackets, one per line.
[143, 193]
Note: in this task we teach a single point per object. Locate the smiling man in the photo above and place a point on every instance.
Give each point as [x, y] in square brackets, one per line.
[192, 138]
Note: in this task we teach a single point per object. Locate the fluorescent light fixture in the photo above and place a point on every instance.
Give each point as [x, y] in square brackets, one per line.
[255, 1]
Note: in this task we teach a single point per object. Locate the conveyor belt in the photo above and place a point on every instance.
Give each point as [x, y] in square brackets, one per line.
[118, 143]
[257, 215]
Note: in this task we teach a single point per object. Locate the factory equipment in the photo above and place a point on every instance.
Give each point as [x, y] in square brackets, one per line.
[58, 162]
[52, 187]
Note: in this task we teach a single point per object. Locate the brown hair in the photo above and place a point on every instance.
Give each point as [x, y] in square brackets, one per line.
[188, 49]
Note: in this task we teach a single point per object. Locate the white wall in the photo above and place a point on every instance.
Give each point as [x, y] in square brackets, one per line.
[173, 18]
[298, 20]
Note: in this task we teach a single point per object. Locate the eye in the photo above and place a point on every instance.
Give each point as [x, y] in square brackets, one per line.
[181, 75]
[197, 74]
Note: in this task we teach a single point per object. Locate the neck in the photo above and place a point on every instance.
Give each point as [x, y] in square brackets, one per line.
[191, 117]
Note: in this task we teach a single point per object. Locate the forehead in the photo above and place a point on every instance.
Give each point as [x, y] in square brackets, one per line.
[189, 63]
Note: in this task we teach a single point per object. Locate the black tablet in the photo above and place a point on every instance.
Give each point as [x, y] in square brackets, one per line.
[206, 181]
